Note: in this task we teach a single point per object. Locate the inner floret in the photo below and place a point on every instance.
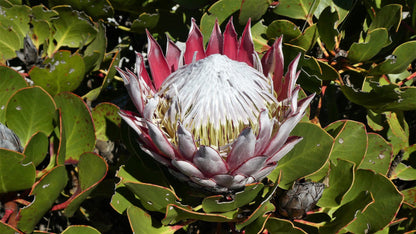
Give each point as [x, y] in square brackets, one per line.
[214, 98]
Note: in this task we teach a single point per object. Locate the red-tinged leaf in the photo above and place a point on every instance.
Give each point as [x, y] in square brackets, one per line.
[92, 170]
[173, 56]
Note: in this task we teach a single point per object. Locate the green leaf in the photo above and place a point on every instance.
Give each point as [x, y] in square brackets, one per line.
[350, 141]
[261, 210]
[175, 213]
[220, 11]
[30, 110]
[388, 17]
[36, 149]
[153, 197]
[286, 28]
[97, 9]
[387, 201]
[326, 27]
[14, 175]
[312, 151]
[106, 121]
[307, 39]
[379, 154]
[214, 204]
[348, 212]
[95, 51]
[343, 8]
[296, 9]
[46, 191]
[376, 40]
[63, 72]
[142, 222]
[145, 21]
[10, 82]
[398, 61]
[7, 229]
[17, 18]
[404, 172]
[73, 29]
[9, 43]
[257, 32]
[77, 229]
[252, 9]
[78, 125]
[398, 132]
[276, 225]
[410, 195]
[92, 169]
[389, 97]
[333, 194]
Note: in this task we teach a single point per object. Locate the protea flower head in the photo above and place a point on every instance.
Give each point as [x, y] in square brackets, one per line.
[219, 117]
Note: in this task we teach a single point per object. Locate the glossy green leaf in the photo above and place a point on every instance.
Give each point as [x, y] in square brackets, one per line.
[257, 32]
[383, 98]
[379, 154]
[286, 28]
[410, 195]
[98, 9]
[312, 151]
[36, 149]
[307, 39]
[326, 27]
[62, 72]
[30, 110]
[257, 225]
[220, 11]
[46, 191]
[14, 175]
[93, 94]
[142, 222]
[398, 61]
[404, 172]
[9, 43]
[153, 197]
[17, 18]
[77, 229]
[348, 212]
[214, 204]
[73, 29]
[387, 201]
[8, 229]
[328, 72]
[350, 141]
[252, 9]
[79, 128]
[297, 9]
[343, 8]
[145, 21]
[398, 132]
[107, 121]
[92, 169]
[276, 225]
[333, 194]
[373, 43]
[95, 51]
[264, 208]
[40, 12]
[175, 213]
[10, 82]
[388, 17]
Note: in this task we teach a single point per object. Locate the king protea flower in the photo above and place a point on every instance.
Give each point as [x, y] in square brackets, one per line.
[219, 117]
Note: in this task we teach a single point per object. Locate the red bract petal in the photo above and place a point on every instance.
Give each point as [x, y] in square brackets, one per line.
[141, 71]
[215, 43]
[241, 149]
[246, 48]
[160, 141]
[186, 143]
[194, 44]
[230, 41]
[286, 87]
[209, 161]
[157, 62]
[173, 54]
[273, 60]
